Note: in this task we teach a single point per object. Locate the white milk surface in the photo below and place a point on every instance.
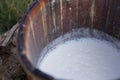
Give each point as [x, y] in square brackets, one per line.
[83, 59]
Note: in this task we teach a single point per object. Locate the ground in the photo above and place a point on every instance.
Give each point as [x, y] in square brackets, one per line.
[10, 67]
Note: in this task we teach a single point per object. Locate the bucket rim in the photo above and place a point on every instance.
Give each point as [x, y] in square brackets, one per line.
[21, 46]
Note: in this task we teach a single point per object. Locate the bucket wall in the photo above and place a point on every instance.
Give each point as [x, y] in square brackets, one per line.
[46, 20]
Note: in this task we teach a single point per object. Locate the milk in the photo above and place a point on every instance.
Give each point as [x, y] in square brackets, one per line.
[85, 58]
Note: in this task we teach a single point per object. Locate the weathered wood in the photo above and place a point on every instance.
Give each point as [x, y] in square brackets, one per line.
[4, 42]
[49, 19]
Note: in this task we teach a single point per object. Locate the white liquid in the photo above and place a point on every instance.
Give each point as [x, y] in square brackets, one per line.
[83, 59]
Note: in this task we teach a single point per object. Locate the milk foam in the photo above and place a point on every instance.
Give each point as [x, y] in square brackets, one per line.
[83, 59]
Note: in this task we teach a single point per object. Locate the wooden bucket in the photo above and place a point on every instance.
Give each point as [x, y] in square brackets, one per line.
[46, 20]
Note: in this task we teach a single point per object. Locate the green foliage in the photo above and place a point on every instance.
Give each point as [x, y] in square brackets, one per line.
[11, 11]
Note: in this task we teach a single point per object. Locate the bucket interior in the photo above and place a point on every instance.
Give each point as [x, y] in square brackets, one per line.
[47, 20]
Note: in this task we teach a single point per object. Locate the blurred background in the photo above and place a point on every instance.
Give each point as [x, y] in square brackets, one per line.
[11, 11]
